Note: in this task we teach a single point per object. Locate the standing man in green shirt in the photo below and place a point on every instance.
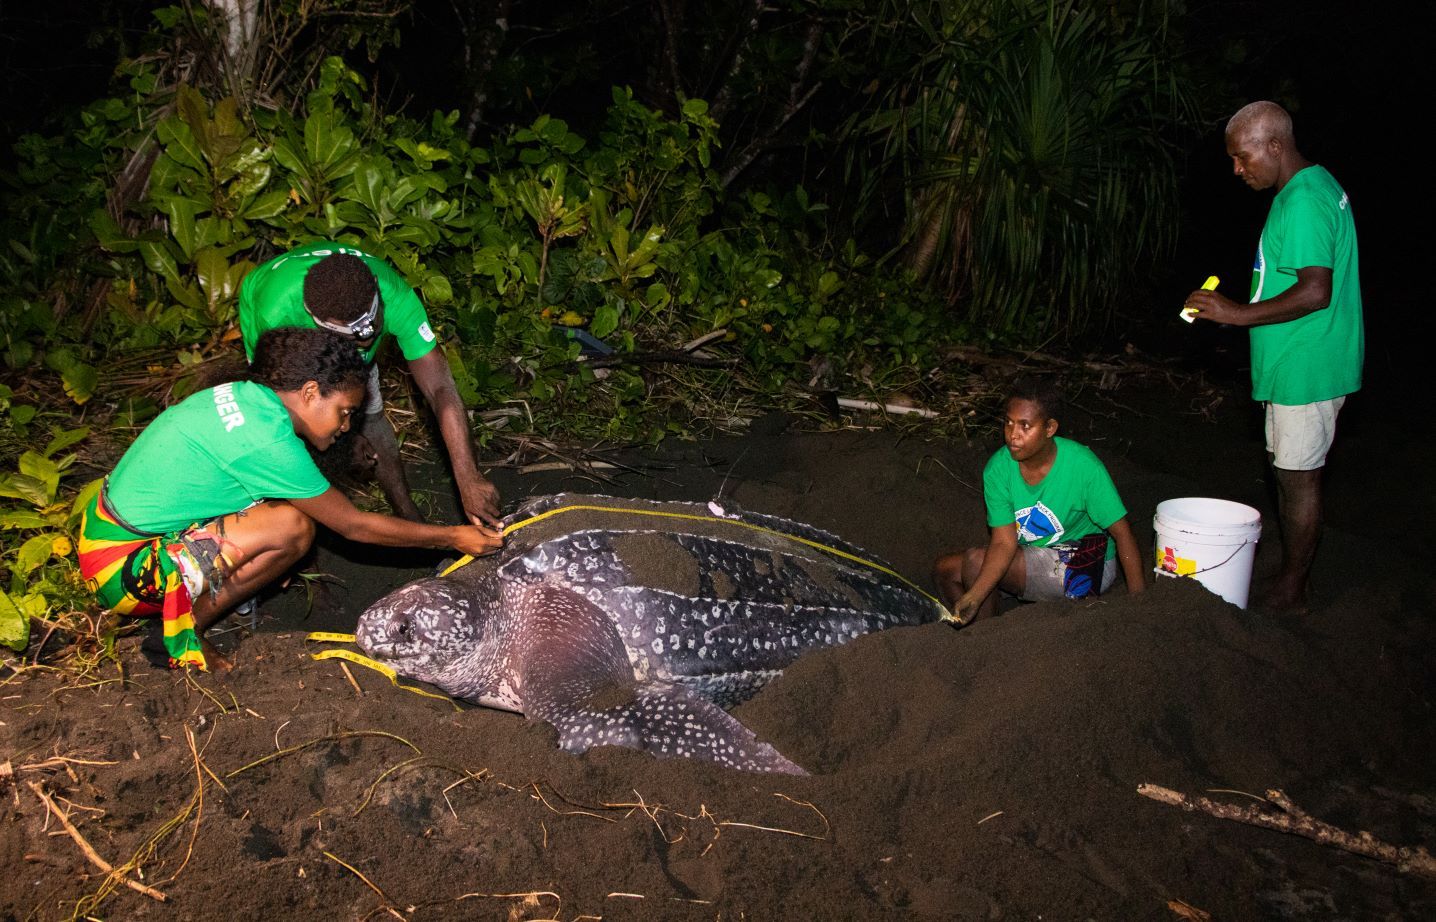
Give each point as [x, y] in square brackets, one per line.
[345, 290]
[1307, 338]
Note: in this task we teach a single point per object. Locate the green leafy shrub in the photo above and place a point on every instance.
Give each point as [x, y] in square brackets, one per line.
[43, 577]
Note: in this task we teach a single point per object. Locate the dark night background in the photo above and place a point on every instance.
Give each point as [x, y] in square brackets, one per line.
[1345, 71]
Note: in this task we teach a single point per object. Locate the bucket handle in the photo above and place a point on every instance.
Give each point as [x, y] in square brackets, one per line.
[1213, 566]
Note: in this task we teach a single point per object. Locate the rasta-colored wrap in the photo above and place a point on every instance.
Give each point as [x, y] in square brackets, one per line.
[134, 574]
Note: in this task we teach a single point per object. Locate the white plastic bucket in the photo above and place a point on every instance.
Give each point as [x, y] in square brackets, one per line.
[1211, 540]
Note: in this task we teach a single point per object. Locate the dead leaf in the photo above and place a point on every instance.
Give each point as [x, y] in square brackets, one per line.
[1187, 911]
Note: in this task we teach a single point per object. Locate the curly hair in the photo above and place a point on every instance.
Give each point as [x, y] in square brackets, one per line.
[1045, 394]
[339, 288]
[287, 357]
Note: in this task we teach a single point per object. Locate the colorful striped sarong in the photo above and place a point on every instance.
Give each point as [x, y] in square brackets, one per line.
[134, 574]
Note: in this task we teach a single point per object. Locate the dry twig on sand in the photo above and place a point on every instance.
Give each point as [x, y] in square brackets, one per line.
[1292, 819]
[150, 847]
[333, 737]
[89, 851]
[388, 904]
[1184, 910]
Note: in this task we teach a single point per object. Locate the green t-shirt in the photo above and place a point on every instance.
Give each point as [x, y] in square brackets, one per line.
[272, 295]
[1319, 356]
[1077, 497]
[213, 453]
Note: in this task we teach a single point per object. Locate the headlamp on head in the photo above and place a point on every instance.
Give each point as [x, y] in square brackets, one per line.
[361, 328]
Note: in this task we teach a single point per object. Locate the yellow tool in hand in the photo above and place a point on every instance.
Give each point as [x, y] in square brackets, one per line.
[1190, 313]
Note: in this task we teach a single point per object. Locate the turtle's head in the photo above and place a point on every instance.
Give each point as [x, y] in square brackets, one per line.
[435, 630]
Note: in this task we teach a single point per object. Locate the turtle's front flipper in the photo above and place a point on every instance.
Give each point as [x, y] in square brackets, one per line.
[664, 719]
[575, 674]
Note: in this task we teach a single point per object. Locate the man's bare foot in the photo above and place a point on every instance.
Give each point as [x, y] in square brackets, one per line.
[1285, 598]
[217, 662]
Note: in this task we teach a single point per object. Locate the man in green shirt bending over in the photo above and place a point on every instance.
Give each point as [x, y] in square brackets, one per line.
[345, 290]
[1305, 317]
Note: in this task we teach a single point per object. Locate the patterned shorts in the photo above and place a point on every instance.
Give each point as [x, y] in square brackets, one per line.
[137, 574]
[1069, 570]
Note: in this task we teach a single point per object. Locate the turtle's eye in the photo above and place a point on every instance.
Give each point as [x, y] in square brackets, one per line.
[401, 627]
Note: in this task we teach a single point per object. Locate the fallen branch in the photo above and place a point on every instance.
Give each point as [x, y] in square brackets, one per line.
[89, 851]
[1296, 821]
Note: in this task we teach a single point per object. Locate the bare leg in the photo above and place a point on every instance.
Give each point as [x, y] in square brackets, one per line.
[947, 576]
[1299, 502]
[260, 543]
[388, 468]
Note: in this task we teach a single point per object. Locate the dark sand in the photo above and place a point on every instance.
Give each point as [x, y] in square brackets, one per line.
[977, 774]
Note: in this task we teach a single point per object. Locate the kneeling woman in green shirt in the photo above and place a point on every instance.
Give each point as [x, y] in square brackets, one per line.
[1051, 506]
[219, 496]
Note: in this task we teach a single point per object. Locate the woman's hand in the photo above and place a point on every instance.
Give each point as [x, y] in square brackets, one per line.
[967, 606]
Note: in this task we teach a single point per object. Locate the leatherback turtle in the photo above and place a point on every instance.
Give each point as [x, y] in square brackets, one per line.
[634, 623]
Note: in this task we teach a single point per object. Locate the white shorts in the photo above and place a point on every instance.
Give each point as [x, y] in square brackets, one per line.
[374, 401]
[1298, 437]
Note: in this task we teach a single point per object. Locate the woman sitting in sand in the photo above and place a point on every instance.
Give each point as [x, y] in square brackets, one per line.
[220, 493]
[1051, 507]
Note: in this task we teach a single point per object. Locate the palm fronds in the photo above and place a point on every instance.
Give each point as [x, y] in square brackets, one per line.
[1036, 144]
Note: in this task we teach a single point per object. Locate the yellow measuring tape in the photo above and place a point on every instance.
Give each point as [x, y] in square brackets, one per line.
[510, 529]
[361, 660]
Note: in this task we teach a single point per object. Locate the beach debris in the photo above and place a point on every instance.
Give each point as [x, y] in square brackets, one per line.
[1289, 818]
[1184, 910]
[896, 409]
[89, 851]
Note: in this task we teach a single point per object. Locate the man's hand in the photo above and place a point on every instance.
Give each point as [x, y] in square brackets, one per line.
[477, 540]
[1212, 306]
[480, 498]
[481, 501]
[1312, 292]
